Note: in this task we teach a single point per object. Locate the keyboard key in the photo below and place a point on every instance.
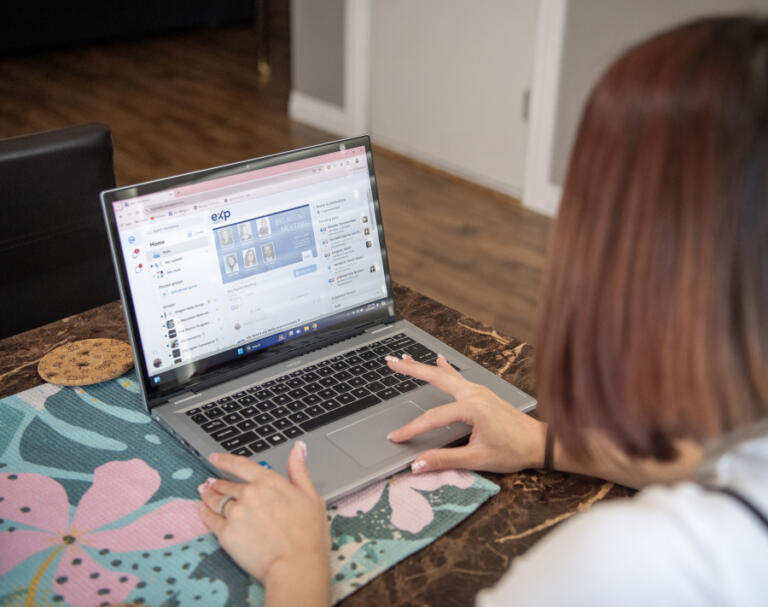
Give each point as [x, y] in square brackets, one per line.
[253, 389]
[293, 432]
[323, 363]
[314, 410]
[297, 393]
[214, 425]
[226, 399]
[357, 370]
[214, 413]
[331, 416]
[295, 382]
[325, 371]
[299, 416]
[265, 430]
[339, 366]
[343, 399]
[312, 399]
[230, 407]
[248, 424]
[200, 418]
[266, 405]
[326, 393]
[381, 350]
[264, 418]
[275, 439]
[282, 378]
[282, 424]
[280, 412]
[194, 411]
[259, 445]
[263, 394]
[239, 394]
[209, 406]
[354, 360]
[420, 382]
[281, 399]
[249, 411]
[280, 388]
[390, 380]
[238, 441]
[371, 376]
[356, 382]
[247, 399]
[225, 433]
[311, 376]
[298, 405]
[387, 394]
[327, 382]
[313, 387]
[269, 383]
[342, 387]
[372, 365]
[242, 451]
[343, 375]
[375, 386]
[233, 418]
[406, 386]
[360, 392]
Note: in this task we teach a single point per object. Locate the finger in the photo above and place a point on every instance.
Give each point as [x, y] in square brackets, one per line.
[211, 498]
[434, 418]
[225, 487]
[210, 519]
[445, 459]
[297, 468]
[239, 466]
[451, 381]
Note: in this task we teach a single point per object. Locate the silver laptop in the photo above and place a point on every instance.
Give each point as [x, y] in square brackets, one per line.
[260, 309]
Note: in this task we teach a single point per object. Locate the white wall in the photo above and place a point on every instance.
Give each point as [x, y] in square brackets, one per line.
[447, 79]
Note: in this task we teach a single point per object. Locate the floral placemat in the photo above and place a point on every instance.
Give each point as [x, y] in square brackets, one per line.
[98, 506]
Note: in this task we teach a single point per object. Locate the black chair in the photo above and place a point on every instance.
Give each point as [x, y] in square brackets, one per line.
[53, 243]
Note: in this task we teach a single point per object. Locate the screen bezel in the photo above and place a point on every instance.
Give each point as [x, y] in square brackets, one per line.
[198, 375]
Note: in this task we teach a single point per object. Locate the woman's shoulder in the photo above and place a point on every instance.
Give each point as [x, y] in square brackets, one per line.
[668, 545]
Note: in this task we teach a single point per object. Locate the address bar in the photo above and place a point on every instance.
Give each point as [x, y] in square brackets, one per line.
[300, 176]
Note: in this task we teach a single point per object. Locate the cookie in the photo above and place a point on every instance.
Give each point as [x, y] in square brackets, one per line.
[85, 362]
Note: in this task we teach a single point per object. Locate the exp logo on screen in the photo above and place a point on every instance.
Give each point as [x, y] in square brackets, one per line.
[222, 215]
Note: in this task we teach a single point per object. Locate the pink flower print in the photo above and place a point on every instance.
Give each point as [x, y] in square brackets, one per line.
[118, 489]
[410, 509]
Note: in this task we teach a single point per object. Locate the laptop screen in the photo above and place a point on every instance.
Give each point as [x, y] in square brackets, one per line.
[249, 258]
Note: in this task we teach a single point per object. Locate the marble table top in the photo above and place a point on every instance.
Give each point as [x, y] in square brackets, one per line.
[473, 555]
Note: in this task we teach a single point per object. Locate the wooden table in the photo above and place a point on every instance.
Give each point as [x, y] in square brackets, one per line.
[473, 555]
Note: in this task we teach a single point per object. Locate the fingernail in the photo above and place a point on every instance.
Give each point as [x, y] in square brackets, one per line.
[418, 466]
[203, 487]
[301, 449]
[213, 457]
[407, 357]
[391, 359]
[389, 436]
[441, 356]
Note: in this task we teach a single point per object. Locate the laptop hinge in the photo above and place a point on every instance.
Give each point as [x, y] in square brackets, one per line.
[180, 398]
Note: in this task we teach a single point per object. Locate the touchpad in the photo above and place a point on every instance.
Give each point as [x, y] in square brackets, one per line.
[365, 441]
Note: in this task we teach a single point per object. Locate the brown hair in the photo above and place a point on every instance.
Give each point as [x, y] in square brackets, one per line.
[654, 324]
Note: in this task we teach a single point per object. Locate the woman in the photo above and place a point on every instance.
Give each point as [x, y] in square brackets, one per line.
[653, 340]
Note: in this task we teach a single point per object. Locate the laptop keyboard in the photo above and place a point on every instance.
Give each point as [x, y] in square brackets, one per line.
[268, 414]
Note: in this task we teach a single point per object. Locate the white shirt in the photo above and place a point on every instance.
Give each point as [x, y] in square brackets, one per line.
[676, 545]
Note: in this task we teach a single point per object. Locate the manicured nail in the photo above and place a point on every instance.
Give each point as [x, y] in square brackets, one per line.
[391, 359]
[213, 457]
[418, 466]
[389, 436]
[301, 449]
[205, 486]
[441, 356]
[407, 357]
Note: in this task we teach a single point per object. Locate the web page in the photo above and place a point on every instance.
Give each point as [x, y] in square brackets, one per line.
[250, 259]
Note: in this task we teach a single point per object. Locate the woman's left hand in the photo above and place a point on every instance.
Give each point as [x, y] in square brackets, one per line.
[274, 528]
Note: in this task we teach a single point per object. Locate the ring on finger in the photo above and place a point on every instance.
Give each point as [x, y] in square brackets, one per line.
[223, 504]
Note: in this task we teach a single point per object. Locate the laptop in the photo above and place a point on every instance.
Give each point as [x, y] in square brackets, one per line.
[260, 308]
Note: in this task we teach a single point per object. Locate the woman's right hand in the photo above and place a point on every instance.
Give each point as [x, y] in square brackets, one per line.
[503, 439]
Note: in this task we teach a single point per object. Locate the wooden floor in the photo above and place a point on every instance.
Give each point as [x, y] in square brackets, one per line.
[185, 101]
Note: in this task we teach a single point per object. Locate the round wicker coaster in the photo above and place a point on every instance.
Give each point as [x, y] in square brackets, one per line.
[85, 362]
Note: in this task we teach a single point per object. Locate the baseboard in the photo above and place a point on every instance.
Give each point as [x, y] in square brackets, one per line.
[319, 114]
[514, 190]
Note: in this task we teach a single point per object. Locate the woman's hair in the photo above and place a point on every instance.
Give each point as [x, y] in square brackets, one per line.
[654, 324]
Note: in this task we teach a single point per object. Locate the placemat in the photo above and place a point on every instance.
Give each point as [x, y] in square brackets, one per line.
[98, 506]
